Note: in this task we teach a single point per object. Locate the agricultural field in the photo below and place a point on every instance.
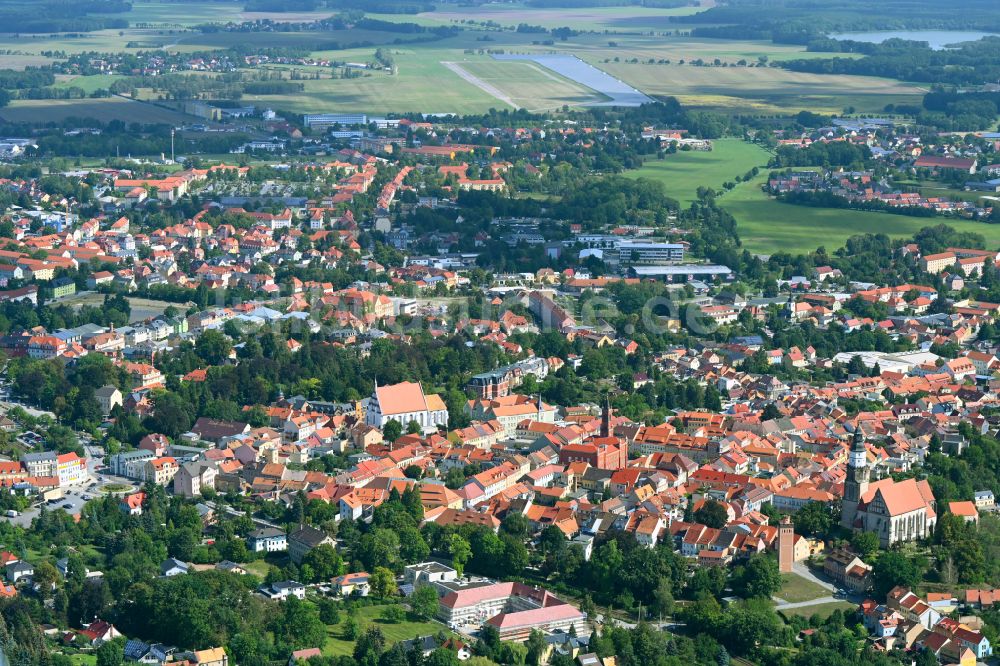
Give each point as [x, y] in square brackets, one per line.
[310, 41]
[190, 14]
[86, 83]
[764, 89]
[19, 62]
[104, 109]
[683, 172]
[682, 46]
[614, 19]
[767, 226]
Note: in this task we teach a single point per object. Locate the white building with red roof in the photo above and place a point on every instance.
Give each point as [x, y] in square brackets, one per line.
[406, 402]
[515, 609]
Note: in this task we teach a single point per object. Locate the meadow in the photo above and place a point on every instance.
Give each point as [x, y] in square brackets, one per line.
[394, 632]
[764, 89]
[612, 19]
[683, 172]
[767, 226]
[422, 83]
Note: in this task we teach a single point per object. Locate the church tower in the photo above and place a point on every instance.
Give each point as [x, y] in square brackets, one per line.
[790, 306]
[856, 484]
[606, 418]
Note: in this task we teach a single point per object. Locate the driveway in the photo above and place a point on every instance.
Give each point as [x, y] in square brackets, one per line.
[801, 569]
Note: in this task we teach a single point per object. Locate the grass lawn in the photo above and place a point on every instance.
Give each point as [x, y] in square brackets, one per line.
[84, 659]
[683, 172]
[767, 226]
[257, 568]
[795, 588]
[369, 615]
[823, 610]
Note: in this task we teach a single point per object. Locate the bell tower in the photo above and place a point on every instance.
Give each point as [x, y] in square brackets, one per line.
[856, 483]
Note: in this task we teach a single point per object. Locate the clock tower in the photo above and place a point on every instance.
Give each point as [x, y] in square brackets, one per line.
[856, 483]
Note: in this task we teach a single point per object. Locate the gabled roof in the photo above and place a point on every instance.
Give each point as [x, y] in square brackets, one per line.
[401, 398]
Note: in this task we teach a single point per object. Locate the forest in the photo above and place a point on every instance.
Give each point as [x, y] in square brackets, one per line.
[803, 21]
[62, 15]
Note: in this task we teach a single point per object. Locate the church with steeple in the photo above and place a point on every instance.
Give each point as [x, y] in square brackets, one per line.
[894, 511]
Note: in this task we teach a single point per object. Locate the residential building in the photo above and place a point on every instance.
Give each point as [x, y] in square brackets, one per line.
[267, 540]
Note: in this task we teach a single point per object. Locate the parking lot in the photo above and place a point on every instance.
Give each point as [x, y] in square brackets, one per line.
[72, 502]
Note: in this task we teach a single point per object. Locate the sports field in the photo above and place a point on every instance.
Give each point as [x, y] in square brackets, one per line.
[105, 109]
[683, 172]
[767, 226]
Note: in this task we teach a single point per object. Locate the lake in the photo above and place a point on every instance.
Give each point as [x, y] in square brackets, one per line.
[938, 39]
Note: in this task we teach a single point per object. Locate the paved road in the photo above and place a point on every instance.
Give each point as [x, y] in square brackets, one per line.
[801, 569]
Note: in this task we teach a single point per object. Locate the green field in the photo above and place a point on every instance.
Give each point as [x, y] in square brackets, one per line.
[613, 19]
[795, 589]
[439, 77]
[767, 226]
[422, 83]
[822, 610]
[86, 83]
[683, 172]
[763, 89]
[930, 188]
[369, 615]
[529, 85]
[195, 13]
[104, 109]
